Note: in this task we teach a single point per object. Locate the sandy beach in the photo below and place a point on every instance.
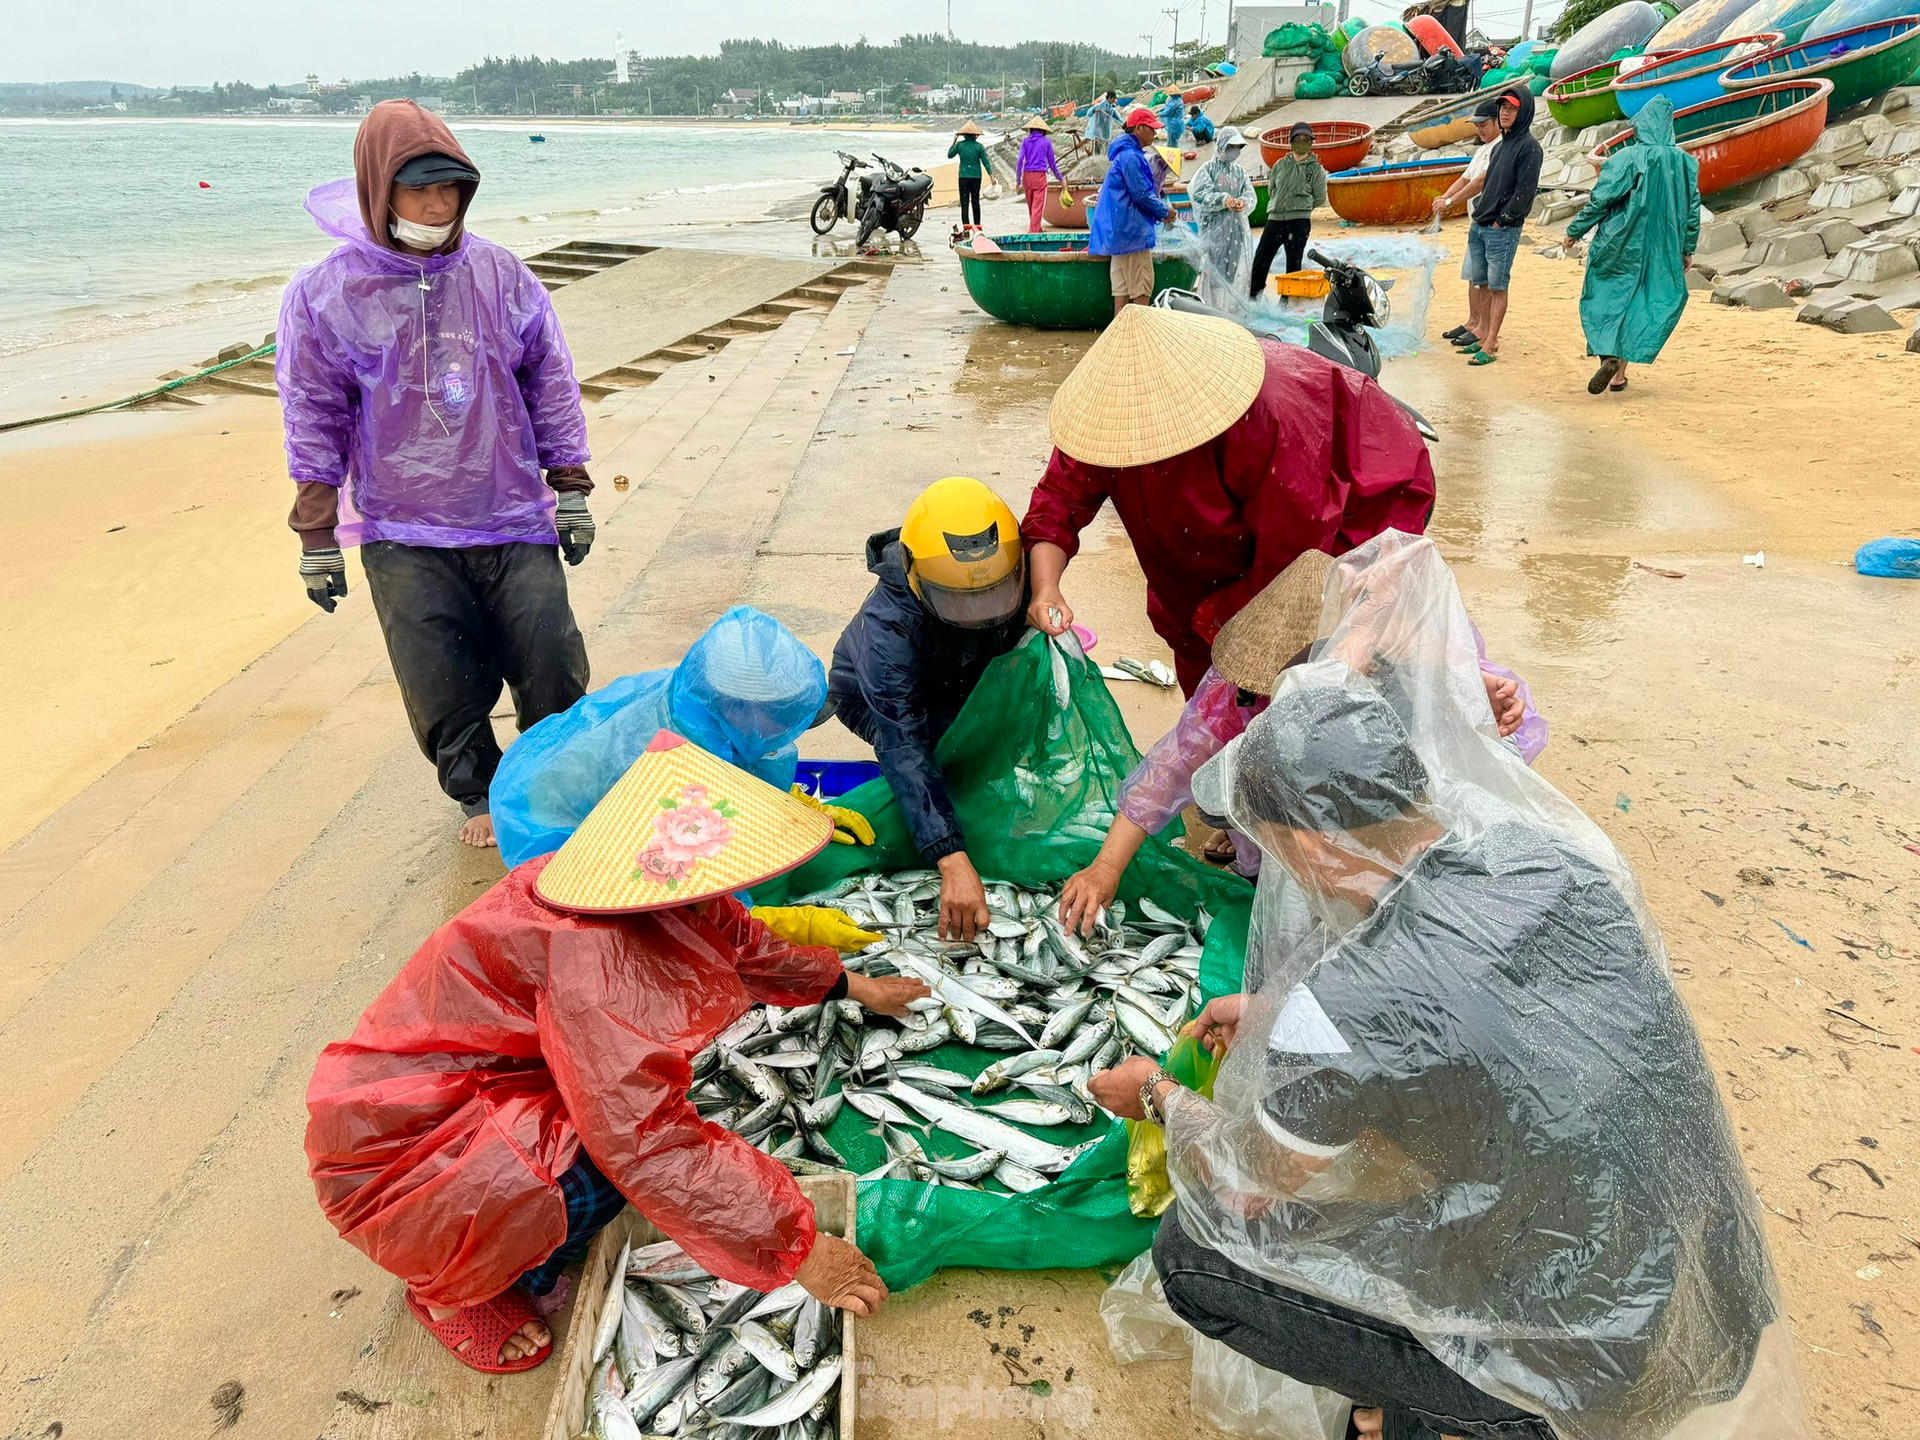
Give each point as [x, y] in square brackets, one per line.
[203, 773]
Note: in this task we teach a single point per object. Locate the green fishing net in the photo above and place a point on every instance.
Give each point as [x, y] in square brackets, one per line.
[1035, 782]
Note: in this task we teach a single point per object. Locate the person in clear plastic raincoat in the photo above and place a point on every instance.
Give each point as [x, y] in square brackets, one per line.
[1465, 1163]
[1223, 198]
[745, 691]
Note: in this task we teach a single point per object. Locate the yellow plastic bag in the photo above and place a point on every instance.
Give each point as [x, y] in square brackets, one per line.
[1149, 1190]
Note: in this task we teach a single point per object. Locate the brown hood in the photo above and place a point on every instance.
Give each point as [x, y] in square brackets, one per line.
[394, 132]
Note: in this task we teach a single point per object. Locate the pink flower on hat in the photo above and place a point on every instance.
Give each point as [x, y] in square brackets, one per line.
[686, 831]
[657, 865]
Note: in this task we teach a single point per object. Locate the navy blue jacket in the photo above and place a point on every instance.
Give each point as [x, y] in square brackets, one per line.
[899, 678]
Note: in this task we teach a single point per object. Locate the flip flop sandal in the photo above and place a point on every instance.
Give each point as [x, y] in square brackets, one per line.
[1457, 334]
[1617, 386]
[1220, 850]
[1470, 349]
[1483, 357]
[1469, 338]
[1609, 367]
[482, 1329]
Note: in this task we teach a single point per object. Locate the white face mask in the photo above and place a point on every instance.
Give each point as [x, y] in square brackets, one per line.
[421, 237]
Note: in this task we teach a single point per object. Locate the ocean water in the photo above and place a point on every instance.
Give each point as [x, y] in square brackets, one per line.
[105, 228]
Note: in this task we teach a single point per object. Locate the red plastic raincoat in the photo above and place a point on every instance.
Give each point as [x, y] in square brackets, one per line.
[516, 1035]
[1323, 458]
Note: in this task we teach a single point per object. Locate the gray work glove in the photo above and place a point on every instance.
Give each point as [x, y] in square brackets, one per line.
[325, 574]
[575, 525]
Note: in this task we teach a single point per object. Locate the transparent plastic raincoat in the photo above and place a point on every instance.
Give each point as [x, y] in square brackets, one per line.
[745, 691]
[1224, 232]
[432, 389]
[515, 1036]
[1464, 1096]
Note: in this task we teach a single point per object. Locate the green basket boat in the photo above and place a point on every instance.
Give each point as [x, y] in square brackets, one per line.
[1586, 98]
[1862, 62]
[1049, 281]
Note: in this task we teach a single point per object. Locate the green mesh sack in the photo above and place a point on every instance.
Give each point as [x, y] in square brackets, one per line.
[1293, 39]
[1315, 85]
[1330, 63]
[1035, 783]
[1540, 62]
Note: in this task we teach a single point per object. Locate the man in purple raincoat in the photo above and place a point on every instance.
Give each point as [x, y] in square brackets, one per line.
[426, 387]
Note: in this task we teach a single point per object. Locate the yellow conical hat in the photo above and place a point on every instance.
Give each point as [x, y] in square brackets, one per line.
[1117, 408]
[681, 825]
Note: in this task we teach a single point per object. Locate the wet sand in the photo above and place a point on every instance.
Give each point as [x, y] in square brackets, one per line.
[184, 933]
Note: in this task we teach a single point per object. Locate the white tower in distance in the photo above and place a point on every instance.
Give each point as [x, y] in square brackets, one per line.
[620, 72]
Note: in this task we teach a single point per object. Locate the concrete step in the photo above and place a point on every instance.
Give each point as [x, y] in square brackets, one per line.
[866, 267]
[752, 324]
[562, 269]
[612, 249]
[825, 294]
[227, 383]
[784, 307]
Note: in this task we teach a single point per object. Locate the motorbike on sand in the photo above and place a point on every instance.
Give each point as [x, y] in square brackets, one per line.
[1355, 304]
[895, 200]
[835, 203]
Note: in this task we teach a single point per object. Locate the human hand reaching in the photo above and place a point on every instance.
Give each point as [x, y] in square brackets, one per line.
[885, 995]
[1503, 695]
[1218, 1025]
[836, 1273]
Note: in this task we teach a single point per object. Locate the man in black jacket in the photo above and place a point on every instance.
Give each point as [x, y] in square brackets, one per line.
[1506, 199]
[951, 599]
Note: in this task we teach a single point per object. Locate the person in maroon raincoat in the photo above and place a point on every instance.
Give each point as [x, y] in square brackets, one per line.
[1225, 457]
[525, 1075]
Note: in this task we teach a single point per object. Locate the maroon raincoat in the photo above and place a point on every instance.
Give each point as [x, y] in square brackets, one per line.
[516, 1035]
[1322, 459]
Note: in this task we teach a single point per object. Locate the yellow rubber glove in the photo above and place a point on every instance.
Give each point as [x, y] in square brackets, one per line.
[850, 827]
[815, 925]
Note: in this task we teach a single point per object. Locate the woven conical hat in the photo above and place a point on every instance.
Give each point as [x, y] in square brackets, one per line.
[1036, 123]
[1274, 626]
[681, 825]
[968, 129]
[1119, 407]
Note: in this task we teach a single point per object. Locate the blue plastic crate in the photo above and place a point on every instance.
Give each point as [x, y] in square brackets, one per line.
[830, 779]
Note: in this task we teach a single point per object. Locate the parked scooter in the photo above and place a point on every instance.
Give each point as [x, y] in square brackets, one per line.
[1355, 303]
[896, 201]
[835, 203]
[1380, 78]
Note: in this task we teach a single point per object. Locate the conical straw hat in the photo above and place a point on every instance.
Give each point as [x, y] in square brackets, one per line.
[968, 129]
[1274, 626]
[1036, 123]
[1120, 407]
[681, 825]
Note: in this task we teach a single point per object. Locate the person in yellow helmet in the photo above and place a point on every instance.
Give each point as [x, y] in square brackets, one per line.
[950, 598]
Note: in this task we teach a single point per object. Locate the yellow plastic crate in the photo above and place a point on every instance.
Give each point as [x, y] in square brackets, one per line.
[1302, 284]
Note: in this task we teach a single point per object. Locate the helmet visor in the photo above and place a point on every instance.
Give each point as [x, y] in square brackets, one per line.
[981, 609]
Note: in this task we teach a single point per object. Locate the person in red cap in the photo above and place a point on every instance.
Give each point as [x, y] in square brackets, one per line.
[1128, 210]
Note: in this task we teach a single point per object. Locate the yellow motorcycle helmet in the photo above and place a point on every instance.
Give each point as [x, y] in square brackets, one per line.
[963, 553]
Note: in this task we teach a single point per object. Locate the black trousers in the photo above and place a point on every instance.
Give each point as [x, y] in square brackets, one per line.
[1371, 1362]
[459, 624]
[1274, 234]
[970, 196]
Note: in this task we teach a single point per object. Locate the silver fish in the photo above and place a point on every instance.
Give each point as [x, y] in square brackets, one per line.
[976, 1166]
[659, 1385]
[952, 992]
[761, 1344]
[1029, 1112]
[610, 1309]
[1018, 1178]
[997, 1075]
[796, 1400]
[982, 1130]
[610, 1419]
[1064, 1023]
[679, 1306]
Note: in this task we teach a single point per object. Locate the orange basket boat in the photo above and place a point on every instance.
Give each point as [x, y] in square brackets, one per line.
[1302, 284]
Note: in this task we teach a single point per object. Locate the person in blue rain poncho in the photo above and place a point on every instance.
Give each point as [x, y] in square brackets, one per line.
[1103, 120]
[745, 691]
[1223, 199]
[1174, 116]
[1646, 207]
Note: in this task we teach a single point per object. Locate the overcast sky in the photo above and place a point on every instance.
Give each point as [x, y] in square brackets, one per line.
[195, 42]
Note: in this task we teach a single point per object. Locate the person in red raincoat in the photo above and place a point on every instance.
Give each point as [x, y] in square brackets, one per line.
[1225, 457]
[525, 1074]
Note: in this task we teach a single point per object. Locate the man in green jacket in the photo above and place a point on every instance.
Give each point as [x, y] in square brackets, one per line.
[1296, 187]
[974, 165]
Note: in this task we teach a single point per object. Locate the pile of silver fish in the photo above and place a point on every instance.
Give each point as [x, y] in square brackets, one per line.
[1062, 1006]
[677, 1352]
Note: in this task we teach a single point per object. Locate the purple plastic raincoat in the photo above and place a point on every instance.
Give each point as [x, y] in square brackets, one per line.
[440, 443]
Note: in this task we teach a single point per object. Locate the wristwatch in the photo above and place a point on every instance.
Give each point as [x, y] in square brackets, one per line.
[1150, 1102]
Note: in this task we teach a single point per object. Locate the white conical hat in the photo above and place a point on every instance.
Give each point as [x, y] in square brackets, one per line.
[1117, 407]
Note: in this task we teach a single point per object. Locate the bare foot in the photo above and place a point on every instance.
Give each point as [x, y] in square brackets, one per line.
[1370, 1423]
[478, 832]
[525, 1341]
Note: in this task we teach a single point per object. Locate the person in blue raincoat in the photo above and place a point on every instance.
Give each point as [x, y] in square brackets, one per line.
[1174, 116]
[1103, 119]
[745, 691]
[1127, 211]
[1646, 207]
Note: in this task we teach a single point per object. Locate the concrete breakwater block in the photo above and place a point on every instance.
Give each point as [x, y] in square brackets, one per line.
[1836, 235]
[1870, 261]
[1752, 295]
[1896, 143]
[1718, 235]
[1913, 340]
[1847, 191]
[1907, 203]
[1789, 247]
[1847, 315]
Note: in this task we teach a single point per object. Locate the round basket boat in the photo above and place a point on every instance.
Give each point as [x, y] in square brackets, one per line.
[1051, 282]
[1747, 133]
[1688, 77]
[1862, 62]
[1337, 144]
[1056, 214]
[1394, 194]
[1586, 98]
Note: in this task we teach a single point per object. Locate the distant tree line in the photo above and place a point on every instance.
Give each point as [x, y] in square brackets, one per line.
[682, 84]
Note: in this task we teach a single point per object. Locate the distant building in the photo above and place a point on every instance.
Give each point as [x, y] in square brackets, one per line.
[293, 104]
[435, 103]
[847, 99]
[741, 97]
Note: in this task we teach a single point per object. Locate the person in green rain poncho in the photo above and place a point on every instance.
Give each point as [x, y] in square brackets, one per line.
[1646, 205]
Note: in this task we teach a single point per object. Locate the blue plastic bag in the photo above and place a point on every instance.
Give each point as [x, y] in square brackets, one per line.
[1891, 557]
[745, 691]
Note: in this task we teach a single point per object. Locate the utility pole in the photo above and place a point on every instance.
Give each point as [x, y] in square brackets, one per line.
[1174, 53]
[1526, 22]
[1149, 40]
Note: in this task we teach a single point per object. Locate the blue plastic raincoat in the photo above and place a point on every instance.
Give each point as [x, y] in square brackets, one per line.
[746, 691]
[432, 389]
[1646, 204]
[1102, 121]
[1129, 205]
[1174, 116]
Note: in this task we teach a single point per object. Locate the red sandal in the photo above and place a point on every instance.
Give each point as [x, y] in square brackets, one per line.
[483, 1329]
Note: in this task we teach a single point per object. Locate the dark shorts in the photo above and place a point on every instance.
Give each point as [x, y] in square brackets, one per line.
[1490, 252]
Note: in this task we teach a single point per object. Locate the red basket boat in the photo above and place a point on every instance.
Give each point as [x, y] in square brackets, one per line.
[1337, 144]
[1746, 134]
